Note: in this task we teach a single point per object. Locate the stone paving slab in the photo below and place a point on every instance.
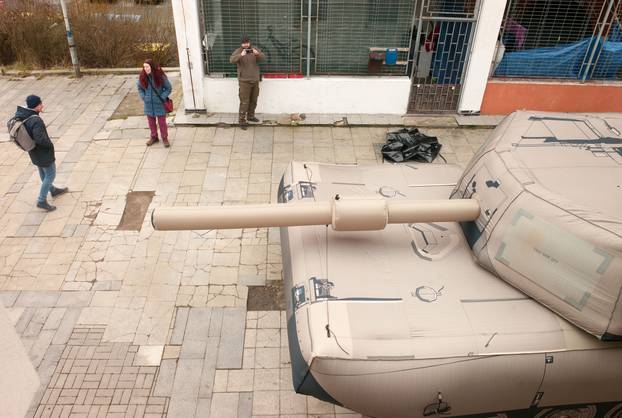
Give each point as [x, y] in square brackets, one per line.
[152, 323]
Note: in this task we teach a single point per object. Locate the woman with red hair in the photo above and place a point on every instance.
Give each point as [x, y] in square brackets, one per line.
[154, 88]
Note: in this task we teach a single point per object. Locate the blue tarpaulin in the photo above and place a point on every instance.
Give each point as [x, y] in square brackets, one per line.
[609, 63]
[564, 61]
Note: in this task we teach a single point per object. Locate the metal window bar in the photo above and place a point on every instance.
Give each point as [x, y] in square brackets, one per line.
[342, 33]
[346, 30]
[606, 58]
[553, 39]
[587, 65]
[450, 9]
[203, 31]
[308, 15]
[272, 25]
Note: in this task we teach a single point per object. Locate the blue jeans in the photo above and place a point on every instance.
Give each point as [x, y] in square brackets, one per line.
[47, 174]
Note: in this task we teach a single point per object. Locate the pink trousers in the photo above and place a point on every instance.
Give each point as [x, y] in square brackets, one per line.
[154, 129]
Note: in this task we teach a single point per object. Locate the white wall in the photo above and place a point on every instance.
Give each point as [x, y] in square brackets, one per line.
[482, 51]
[188, 34]
[315, 95]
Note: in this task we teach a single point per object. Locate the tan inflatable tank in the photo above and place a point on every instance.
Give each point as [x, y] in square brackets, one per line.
[390, 312]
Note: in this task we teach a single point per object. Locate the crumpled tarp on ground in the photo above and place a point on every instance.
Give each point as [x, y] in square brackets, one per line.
[410, 144]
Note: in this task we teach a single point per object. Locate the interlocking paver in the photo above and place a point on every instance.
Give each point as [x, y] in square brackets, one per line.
[193, 349]
[171, 351]
[182, 408]
[66, 326]
[36, 322]
[165, 378]
[224, 405]
[265, 402]
[181, 318]
[74, 299]
[206, 386]
[197, 327]
[241, 380]
[231, 347]
[8, 298]
[40, 347]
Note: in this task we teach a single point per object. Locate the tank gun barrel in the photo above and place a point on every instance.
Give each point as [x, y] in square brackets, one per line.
[357, 214]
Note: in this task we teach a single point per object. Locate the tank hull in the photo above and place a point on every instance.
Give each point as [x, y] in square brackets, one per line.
[396, 323]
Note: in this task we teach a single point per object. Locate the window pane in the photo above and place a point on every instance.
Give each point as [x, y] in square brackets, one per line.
[555, 39]
[342, 34]
[273, 25]
[346, 30]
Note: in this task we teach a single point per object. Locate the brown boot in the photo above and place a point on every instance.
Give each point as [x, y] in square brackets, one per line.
[152, 141]
[243, 123]
[166, 143]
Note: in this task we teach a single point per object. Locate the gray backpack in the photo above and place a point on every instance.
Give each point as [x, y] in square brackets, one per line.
[20, 136]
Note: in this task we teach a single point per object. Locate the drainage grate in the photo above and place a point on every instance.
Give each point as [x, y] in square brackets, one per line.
[136, 205]
[266, 298]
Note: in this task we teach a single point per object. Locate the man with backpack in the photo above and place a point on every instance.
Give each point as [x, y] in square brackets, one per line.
[42, 151]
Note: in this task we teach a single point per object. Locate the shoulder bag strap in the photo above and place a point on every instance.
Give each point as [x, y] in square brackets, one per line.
[155, 89]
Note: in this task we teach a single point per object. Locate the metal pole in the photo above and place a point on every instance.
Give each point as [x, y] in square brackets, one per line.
[590, 64]
[72, 44]
[309, 40]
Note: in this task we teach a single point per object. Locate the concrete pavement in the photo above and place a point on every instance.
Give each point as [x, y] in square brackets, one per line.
[143, 322]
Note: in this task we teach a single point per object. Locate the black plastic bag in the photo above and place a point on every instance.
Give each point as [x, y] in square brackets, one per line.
[410, 144]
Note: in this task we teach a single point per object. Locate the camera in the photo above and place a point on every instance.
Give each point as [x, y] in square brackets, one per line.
[249, 50]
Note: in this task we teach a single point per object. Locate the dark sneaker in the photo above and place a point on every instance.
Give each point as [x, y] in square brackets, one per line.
[46, 206]
[166, 143]
[56, 191]
[152, 141]
[253, 119]
[243, 126]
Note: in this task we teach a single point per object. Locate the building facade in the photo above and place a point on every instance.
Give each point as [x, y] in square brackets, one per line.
[406, 56]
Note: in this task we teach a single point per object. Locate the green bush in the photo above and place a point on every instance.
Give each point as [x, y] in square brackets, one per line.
[106, 35]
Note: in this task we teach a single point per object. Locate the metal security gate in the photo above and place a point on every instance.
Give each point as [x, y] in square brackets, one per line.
[441, 46]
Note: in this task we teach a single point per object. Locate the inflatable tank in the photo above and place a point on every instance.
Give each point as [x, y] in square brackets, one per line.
[424, 290]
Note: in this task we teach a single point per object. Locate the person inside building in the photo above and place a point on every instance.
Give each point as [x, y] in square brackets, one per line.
[246, 58]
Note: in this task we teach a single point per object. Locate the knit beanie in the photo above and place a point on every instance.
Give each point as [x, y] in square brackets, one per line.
[33, 101]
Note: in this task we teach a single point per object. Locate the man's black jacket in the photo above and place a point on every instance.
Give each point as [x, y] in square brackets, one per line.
[42, 155]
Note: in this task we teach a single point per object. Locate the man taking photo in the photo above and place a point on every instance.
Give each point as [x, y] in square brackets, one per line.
[246, 58]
